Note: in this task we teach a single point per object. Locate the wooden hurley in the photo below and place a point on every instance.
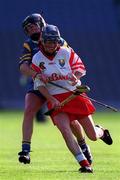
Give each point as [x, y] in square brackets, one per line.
[68, 99]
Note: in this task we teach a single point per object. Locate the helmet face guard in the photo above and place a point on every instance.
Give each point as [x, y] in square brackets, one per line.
[33, 19]
[50, 33]
[50, 39]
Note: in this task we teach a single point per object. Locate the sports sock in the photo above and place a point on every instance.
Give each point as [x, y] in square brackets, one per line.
[99, 132]
[26, 146]
[82, 160]
[82, 144]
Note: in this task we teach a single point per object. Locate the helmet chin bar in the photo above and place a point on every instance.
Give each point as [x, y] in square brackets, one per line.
[50, 54]
[35, 36]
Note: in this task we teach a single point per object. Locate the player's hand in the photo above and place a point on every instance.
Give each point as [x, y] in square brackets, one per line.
[54, 102]
[72, 80]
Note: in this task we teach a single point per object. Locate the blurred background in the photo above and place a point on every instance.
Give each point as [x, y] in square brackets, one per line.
[92, 29]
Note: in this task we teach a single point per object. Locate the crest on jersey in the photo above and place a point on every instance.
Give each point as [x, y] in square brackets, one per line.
[42, 66]
[61, 62]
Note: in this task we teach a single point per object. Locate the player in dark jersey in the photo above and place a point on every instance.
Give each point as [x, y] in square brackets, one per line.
[33, 26]
[30, 47]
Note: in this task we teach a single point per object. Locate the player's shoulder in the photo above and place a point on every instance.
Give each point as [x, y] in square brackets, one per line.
[27, 44]
[65, 49]
[36, 58]
[37, 55]
[63, 42]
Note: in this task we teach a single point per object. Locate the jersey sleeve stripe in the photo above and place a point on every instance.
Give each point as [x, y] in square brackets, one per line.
[26, 46]
[28, 54]
[80, 67]
[25, 58]
[76, 64]
[35, 68]
[71, 57]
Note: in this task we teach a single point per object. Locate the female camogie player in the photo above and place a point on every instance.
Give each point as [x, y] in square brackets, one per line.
[64, 67]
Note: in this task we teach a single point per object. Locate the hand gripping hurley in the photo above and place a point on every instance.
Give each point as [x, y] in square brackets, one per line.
[79, 90]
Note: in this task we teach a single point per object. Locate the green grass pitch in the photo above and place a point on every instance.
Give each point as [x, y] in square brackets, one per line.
[50, 158]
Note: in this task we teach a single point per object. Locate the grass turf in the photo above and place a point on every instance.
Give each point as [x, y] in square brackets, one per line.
[51, 160]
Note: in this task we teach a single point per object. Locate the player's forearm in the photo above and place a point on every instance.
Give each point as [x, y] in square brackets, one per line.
[53, 101]
[45, 92]
[26, 70]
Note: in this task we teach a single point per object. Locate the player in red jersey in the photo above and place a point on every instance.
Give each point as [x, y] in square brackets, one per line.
[55, 63]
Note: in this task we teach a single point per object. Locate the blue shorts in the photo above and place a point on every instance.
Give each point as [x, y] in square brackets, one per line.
[30, 89]
[37, 93]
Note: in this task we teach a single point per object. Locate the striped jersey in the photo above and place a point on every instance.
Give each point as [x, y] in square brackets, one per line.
[30, 48]
[58, 69]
